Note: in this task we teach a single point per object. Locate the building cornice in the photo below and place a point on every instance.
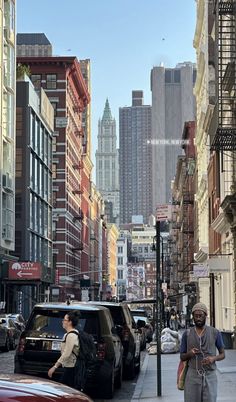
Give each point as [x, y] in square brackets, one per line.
[199, 25]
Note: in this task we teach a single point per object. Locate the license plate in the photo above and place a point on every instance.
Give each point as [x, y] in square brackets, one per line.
[56, 345]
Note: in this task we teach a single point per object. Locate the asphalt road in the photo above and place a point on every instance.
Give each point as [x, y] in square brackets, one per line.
[124, 394]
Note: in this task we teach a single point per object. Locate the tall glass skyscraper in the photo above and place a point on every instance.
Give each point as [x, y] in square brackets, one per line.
[135, 160]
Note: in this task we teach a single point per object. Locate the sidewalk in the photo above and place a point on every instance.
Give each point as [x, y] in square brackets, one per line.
[146, 387]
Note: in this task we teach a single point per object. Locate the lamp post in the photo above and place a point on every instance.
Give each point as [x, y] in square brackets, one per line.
[158, 308]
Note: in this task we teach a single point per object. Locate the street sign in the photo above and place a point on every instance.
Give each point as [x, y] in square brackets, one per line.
[24, 270]
[163, 212]
[200, 270]
[219, 264]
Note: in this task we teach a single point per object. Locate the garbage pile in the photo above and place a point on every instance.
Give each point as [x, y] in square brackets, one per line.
[170, 342]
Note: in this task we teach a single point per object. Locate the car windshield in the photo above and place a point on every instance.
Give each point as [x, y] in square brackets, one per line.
[136, 318]
[49, 322]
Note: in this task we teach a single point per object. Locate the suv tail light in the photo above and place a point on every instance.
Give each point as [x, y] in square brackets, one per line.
[101, 351]
[125, 334]
[21, 345]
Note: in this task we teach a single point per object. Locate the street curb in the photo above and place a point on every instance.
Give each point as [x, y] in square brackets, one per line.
[139, 385]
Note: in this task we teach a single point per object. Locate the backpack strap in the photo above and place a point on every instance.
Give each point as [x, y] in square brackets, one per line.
[71, 332]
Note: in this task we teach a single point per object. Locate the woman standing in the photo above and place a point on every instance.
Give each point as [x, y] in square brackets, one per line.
[69, 349]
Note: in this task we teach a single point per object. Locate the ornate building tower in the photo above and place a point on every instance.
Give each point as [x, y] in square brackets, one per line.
[107, 165]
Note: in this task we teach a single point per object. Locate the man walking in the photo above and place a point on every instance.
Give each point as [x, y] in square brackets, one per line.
[198, 347]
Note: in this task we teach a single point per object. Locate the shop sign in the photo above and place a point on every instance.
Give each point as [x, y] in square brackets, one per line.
[24, 270]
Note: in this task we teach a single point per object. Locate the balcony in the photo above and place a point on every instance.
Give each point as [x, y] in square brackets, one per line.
[79, 217]
[188, 198]
[78, 166]
[78, 190]
[79, 247]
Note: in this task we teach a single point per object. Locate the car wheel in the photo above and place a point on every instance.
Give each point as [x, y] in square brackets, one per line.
[119, 377]
[109, 386]
[13, 344]
[7, 344]
[130, 370]
[137, 367]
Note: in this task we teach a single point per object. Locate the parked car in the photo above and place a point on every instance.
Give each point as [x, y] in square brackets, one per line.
[12, 334]
[18, 320]
[19, 388]
[4, 337]
[147, 329]
[129, 334]
[40, 344]
[142, 330]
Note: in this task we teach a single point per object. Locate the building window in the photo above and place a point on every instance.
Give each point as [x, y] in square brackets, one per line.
[168, 76]
[18, 162]
[177, 76]
[120, 273]
[51, 81]
[54, 105]
[120, 260]
[120, 249]
[36, 80]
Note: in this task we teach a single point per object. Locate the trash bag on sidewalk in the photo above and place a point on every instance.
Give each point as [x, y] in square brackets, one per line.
[170, 341]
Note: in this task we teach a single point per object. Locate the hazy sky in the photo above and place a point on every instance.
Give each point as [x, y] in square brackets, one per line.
[123, 39]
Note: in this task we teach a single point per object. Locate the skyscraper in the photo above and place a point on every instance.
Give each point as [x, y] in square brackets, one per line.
[135, 160]
[107, 163]
[173, 103]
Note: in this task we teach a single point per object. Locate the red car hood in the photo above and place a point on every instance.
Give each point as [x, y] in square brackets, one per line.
[22, 388]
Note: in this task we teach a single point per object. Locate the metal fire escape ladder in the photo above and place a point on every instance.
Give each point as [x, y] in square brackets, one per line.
[225, 136]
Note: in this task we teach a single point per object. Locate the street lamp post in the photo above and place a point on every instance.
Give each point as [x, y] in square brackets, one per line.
[158, 308]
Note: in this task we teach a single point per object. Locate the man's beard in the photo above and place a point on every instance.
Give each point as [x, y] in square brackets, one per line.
[200, 324]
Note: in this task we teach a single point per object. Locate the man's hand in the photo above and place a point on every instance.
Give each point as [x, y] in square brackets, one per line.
[194, 351]
[51, 371]
[208, 360]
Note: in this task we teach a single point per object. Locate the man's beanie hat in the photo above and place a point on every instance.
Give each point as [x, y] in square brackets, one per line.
[201, 307]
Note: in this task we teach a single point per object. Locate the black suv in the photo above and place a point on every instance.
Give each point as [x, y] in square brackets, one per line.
[129, 334]
[40, 344]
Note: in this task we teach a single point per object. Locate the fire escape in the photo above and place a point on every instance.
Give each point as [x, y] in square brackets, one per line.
[186, 232]
[223, 137]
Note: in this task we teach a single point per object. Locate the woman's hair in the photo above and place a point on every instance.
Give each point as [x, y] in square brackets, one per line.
[73, 316]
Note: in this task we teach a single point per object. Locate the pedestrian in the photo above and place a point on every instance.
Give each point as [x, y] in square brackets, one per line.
[198, 348]
[173, 320]
[69, 349]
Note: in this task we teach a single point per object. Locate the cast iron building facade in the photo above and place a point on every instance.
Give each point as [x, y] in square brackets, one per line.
[173, 103]
[135, 156]
[66, 89]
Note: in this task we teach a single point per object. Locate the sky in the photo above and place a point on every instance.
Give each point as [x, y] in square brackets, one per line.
[123, 39]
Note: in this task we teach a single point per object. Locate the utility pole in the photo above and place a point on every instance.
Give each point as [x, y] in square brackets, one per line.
[158, 307]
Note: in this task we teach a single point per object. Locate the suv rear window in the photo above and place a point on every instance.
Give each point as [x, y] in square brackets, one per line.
[117, 314]
[49, 322]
